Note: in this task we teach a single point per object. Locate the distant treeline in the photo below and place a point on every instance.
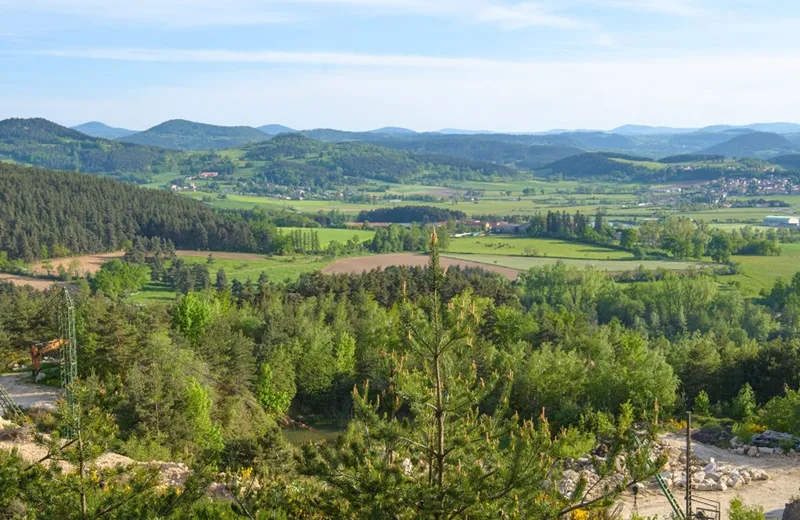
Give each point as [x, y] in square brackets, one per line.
[402, 214]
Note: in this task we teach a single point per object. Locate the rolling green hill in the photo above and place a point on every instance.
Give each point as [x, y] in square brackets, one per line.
[40, 142]
[754, 144]
[188, 135]
[294, 159]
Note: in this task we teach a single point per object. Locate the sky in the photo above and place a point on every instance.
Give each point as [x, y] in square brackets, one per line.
[501, 65]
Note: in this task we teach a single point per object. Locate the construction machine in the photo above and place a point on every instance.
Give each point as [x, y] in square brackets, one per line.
[39, 350]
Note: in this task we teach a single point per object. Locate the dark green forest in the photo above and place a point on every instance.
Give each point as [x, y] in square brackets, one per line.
[45, 214]
[297, 160]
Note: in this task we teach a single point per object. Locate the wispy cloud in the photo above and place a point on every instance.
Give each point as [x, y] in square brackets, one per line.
[525, 15]
[669, 7]
[275, 57]
[509, 14]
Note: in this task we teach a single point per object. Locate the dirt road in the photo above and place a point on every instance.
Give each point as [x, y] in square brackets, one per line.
[773, 494]
[29, 395]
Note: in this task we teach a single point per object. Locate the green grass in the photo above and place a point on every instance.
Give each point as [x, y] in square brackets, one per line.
[328, 235]
[525, 263]
[507, 245]
[760, 272]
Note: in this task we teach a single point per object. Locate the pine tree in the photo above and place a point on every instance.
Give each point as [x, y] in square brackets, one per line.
[222, 280]
[441, 440]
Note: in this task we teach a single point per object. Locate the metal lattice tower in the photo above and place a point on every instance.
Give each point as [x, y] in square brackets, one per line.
[69, 356]
[8, 407]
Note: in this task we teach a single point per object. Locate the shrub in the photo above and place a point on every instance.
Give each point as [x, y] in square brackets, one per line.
[739, 511]
[745, 431]
[702, 404]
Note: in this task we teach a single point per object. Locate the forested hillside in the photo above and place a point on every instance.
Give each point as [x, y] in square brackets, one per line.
[294, 159]
[478, 148]
[45, 213]
[40, 142]
[188, 135]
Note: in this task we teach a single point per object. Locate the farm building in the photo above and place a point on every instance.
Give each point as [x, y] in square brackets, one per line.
[779, 221]
[510, 229]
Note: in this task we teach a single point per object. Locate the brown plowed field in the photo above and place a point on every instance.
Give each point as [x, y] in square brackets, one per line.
[367, 263]
[88, 263]
[37, 283]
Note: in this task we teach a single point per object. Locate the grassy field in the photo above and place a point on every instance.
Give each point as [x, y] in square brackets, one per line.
[760, 272]
[328, 235]
[277, 269]
[525, 263]
[507, 245]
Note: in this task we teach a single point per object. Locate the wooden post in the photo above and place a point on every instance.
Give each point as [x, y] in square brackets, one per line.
[689, 466]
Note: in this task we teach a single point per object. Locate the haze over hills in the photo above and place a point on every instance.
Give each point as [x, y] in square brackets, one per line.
[102, 130]
[754, 144]
[392, 130]
[276, 129]
[188, 135]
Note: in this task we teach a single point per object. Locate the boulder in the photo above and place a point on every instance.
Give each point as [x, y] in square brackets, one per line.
[792, 510]
[752, 451]
[720, 486]
[772, 439]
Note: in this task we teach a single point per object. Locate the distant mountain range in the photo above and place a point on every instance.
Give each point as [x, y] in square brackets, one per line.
[98, 129]
[575, 154]
[40, 142]
[777, 128]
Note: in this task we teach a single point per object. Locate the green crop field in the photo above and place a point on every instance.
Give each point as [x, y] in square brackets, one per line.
[328, 235]
[509, 245]
[524, 263]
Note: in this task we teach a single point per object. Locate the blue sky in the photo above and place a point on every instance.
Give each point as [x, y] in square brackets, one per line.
[424, 64]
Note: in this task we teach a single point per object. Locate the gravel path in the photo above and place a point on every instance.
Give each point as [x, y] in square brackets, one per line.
[773, 494]
[27, 394]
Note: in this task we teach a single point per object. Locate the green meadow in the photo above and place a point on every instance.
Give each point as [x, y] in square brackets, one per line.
[508, 245]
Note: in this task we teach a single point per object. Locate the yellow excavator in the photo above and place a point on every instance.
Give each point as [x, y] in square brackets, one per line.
[39, 350]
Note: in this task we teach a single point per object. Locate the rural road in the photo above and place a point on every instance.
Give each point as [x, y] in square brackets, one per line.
[27, 394]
